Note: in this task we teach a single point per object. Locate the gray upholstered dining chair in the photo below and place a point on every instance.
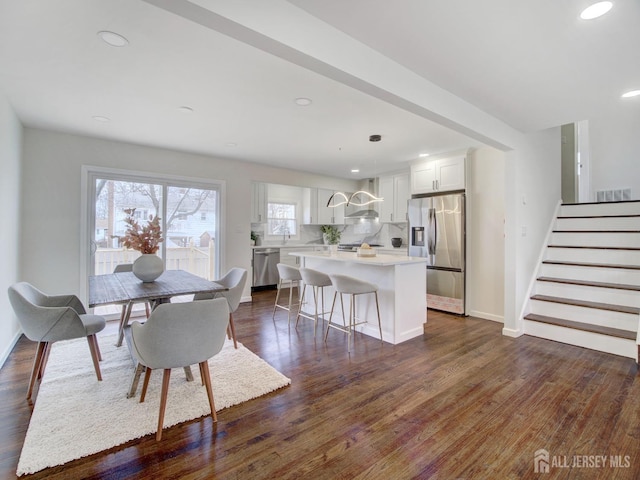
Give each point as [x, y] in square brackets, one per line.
[50, 318]
[234, 280]
[179, 335]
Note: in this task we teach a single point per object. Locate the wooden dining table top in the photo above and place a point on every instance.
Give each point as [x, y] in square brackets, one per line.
[125, 287]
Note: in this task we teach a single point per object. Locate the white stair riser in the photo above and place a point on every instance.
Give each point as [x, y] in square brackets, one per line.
[627, 208]
[613, 296]
[605, 318]
[596, 239]
[610, 223]
[590, 255]
[593, 341]
[594, 274]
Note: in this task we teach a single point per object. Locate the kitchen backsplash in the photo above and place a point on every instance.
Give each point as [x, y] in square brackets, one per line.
[369, 231]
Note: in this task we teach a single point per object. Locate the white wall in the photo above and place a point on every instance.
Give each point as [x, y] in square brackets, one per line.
[52, 193]
[485, 234]
[615, 150]
[10, 151]
[532, 193]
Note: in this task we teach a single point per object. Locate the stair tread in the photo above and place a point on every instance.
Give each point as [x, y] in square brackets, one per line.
[587, 247]
[585, 303]
[573, 204]
[612, 332]
[590, 264]
[626, 215]
[596, 231]
[617, 286]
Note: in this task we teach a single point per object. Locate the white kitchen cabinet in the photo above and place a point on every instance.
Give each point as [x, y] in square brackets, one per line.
[328, 215]
[395, 191]
[259, 202]
[441, 175]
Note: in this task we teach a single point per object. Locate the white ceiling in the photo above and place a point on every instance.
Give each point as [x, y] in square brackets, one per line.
[531, 64]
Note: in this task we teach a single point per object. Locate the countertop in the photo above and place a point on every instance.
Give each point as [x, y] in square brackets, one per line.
[381, 259]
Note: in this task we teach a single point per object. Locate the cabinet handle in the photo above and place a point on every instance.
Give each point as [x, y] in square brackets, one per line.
[433, 184]
[391, 217]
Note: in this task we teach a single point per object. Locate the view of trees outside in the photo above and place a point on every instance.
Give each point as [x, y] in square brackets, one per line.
[281, 219]
[188, 226]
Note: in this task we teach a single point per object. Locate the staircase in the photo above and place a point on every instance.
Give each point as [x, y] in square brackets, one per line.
[587, 292]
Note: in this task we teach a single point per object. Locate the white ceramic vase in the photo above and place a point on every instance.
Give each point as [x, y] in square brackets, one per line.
[147, 267]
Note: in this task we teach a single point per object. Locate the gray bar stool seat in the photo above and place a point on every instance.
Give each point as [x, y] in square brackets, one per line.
[291, 276]
[344, 284]
[317, 281]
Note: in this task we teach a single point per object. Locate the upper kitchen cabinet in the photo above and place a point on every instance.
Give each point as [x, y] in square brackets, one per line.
[259, 202]
[325, 214]
[395, 191]
[438, 175]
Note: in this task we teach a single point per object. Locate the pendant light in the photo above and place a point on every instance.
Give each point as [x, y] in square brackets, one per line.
[356, 198]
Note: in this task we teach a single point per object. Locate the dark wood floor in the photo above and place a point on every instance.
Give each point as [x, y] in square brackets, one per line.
[462, 401]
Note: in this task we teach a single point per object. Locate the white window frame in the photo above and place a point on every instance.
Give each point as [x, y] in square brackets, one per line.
[296, 219]
[87, 208]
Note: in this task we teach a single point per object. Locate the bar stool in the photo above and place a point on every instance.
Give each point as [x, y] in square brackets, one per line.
[344, 284]
[289, 275]
[317, 281]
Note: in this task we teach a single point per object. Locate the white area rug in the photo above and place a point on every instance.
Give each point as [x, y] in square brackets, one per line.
[75, 415]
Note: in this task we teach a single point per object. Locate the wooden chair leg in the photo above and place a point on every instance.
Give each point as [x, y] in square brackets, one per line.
[147, 309]
[145, 384]
[95, 340]
[201, 374]
[233, 330]
[166, 376]
[45, 359]
[206, 378]
[91, 339]
[35, 369]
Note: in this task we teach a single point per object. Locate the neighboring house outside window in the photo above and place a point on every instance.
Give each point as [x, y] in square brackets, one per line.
[282, 219]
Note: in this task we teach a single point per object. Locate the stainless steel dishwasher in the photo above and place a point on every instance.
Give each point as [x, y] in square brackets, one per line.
[265, 270]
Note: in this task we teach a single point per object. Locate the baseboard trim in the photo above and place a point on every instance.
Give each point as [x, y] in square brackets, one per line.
[7, 352]
[509, 332]
[487, 316]
[247, 298]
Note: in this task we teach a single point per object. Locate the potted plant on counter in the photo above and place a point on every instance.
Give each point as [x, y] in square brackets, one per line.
[331, 236]
[146, 240]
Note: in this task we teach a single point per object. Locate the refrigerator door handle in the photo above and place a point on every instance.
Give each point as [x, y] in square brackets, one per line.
[433, 232]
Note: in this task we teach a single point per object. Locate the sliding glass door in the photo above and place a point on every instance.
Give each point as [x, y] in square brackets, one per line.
[189, 213]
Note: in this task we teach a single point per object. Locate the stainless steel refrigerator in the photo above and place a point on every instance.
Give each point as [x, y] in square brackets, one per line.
[437, 232]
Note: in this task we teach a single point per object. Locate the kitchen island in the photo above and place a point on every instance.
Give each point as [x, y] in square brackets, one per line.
[402, 287]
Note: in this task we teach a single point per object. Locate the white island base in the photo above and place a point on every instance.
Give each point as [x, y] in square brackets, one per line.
[402, 287]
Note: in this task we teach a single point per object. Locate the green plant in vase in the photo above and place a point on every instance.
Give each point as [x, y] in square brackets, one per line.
[331, 234]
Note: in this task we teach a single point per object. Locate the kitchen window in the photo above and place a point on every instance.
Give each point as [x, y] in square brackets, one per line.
[282, 219]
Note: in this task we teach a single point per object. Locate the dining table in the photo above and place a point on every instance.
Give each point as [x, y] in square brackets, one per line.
[124, 288]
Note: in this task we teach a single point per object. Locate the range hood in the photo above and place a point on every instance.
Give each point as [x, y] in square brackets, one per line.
[367, 211]
[363, 213]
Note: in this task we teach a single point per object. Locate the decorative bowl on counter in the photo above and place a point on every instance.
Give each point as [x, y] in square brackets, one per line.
[366, 252]
[396, 242]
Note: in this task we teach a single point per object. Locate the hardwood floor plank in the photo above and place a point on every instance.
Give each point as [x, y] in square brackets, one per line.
[461, 401]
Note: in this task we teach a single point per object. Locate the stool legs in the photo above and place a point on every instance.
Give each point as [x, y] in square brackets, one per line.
[352, 317]
[276, 305]
[315, 299]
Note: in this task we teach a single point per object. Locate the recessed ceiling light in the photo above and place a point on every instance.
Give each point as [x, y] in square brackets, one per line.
[185, 109]
[303, 102]
[422, 155]
[100, 118]
[231, 144]
[355, 170]
[632, 93]
[596, 10]
[113, 39]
